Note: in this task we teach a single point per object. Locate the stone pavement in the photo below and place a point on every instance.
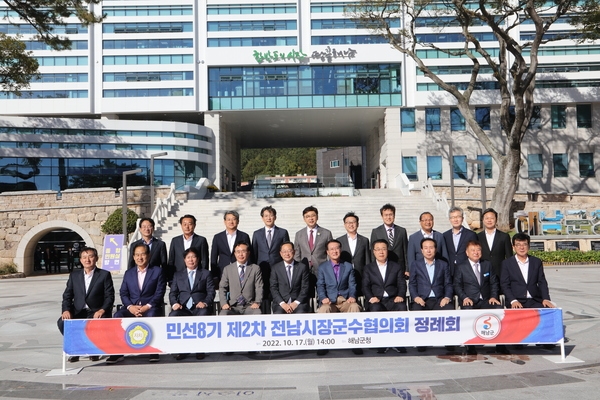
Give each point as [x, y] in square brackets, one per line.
[31, 347]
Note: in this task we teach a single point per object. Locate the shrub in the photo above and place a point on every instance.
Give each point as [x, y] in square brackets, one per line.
[568, 256]
[6, 269]
[114, 223]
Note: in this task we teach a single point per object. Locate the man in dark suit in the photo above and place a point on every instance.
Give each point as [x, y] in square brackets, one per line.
[223, 243]
[523, 281]
[70, 259]
[289, 283]
[241, 286]
[336, 287]
[495, 244]
[192, 292]
[89, 293]
[266, 243]
[179, 244]
[355, 249]
[456, 239]
[158, 248]
[428, 293]
[475, 283]
[310, 243]
[426, 231]
[142, 292]
[384, 284]
[394, 234]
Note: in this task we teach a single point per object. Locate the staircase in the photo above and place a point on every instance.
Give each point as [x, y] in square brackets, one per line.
[209, 212]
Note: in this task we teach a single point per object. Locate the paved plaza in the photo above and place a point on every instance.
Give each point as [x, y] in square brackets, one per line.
[31, 348]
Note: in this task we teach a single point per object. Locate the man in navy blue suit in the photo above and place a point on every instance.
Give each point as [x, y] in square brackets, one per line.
[142, 292]
[426, 231]
[456, 239]
[355, 248]
[179, 244]
[158, 248]
[336, 287]
[266, 243]
[221, 252]
[430, 284]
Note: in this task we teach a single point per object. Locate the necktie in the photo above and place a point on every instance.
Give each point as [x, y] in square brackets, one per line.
[391, 236]
[336, 271]
[311, 241]
[269, 238]
[477, 272]
[289, 274]
[190, 302]
[242, 273]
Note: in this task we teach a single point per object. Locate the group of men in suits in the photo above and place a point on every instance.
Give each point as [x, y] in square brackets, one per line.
[477, 267]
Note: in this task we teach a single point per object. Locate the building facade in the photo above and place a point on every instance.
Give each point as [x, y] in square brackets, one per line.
[202, 79]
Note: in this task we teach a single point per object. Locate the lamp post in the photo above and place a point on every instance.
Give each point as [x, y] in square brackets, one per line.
[451, 162]
[152, 157]
[481, 165]
[132, 172]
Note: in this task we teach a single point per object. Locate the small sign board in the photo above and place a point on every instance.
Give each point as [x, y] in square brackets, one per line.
[567, 245]
[111, 255]
[537, 246]
[595, 245]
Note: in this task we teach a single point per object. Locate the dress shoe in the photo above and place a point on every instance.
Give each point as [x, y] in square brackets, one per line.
[381, 350]
[114, 359]
[357, 352]
[421, 349]
[154, 358]
[322, 352]
[549, 346]
[181, 356]
[450, 348]
[471, 351]
[94, 358]
[200, 356]
[400, 350]
[73, 358]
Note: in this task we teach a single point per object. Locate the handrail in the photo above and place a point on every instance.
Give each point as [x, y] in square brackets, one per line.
[160, 213]
[440, 201]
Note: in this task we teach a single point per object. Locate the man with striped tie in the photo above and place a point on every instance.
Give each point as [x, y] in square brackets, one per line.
[395, 236]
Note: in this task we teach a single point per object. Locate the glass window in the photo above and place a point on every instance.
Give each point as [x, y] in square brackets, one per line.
[482, 115]
[536, 119]
[487, 164]
[409, 167]
[457, 121]
[460, 167]
[559, 116]
[334, 164]
[407, 119]
[561, 165]
[586, 165]
[584, 115]
[432, 120]
[434, 167]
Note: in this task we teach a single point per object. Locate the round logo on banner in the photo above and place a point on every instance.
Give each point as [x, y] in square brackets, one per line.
[138, 335]
[487, 326]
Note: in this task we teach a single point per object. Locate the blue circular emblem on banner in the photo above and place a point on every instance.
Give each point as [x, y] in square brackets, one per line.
[138, 335]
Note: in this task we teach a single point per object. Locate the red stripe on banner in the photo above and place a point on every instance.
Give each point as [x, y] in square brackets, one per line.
[109, 336]
[516, 326]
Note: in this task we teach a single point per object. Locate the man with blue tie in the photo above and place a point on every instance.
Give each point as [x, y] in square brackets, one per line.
[142, 292]
[266, 242]
[426, 231]
[456, 238]
[289, 283]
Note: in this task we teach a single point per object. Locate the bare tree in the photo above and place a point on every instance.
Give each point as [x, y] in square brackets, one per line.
[514, 67]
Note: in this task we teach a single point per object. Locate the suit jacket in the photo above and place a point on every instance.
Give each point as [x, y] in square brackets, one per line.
[393, 283]
[319, 254]
[220, 255]
[264, 255]
[419, 284]
[176, 250]
[466, 284]
[399, 250]
[280, 285]
[153, 288]
[158, 253]
[329, 287]
[362, 253]
[514, 286]
[203, 289]
[501, 249]
[251, 288]
[458, 255]
[100, 294]
[414, 247]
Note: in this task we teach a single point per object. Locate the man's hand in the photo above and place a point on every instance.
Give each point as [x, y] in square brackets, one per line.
[66, 315]
[326, 301]
[494, 301]
[398, 299]
[287, 308]
[548, 304]
[176, 307]
[516, 304]
[468, 302]
[201, 305]
[351, 300]
[293, 305]
[373, 300]
[255, 306]
[225, 307]
[99, 313]
[420, 301]
[444, 301]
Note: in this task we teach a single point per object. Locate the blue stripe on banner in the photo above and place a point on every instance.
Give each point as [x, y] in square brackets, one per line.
[76, 340]
[550, 329]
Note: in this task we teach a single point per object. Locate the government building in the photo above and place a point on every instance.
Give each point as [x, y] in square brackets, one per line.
[201, 80]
